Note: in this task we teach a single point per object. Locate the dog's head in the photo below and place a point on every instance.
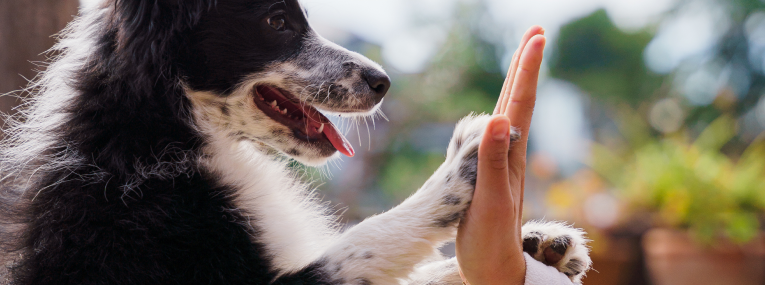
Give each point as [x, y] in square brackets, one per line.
[255, 71]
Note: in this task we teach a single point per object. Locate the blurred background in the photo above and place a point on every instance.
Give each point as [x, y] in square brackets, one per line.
[649, 130]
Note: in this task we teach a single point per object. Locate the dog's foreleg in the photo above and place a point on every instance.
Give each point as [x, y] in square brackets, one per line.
[445, 272]
[392, 247]
[386, 248]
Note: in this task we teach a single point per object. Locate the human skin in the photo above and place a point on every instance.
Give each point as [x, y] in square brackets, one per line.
[489, 242]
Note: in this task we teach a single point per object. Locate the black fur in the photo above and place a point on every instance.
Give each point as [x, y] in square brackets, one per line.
[469, 168]
[449, 220]
[235, 40]
[452, 200]
[80, 225]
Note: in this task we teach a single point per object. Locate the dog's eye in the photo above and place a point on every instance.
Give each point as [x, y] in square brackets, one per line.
[278, 22]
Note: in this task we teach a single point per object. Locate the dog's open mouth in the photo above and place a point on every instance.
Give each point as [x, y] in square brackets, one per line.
[305, 121]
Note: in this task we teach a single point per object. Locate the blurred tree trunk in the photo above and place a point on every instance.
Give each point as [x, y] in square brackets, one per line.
[26, 31]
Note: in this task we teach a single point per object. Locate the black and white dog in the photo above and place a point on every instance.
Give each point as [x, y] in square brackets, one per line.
[151, 153]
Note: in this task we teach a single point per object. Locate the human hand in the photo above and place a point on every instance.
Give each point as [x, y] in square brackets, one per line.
[489, 242]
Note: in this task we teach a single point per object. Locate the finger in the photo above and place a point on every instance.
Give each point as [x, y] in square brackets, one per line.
[506, 87]
[492, 196]
[504, 94]
[523, 94]
[499, 108]
[520, 110]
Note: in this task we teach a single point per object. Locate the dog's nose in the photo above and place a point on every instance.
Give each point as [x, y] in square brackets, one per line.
[378, 81]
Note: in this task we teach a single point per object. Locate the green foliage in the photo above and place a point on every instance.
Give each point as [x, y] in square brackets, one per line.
[713, 185]
[604, 61]
[406, 171]
[688, 184]
[692, 185]
[454, 85]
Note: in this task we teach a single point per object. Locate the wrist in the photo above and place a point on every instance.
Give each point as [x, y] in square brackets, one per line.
[511, 271]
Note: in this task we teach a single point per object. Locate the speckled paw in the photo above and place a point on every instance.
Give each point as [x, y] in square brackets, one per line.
[558, 245]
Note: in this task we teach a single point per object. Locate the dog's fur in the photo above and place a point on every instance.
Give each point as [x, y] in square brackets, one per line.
[141, 158]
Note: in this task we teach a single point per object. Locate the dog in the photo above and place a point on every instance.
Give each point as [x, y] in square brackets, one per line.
[152, 151]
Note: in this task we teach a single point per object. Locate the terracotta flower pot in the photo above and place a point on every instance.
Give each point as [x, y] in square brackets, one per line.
[614, 260]
[673, 258]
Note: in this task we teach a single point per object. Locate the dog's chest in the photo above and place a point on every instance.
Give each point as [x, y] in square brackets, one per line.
[282, 213]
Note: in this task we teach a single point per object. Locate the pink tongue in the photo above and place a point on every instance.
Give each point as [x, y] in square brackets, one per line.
[338, 140]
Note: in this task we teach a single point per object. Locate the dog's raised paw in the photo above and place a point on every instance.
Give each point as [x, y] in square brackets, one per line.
[558, 245]
[457, 176]
[470, 129]
[464, 144]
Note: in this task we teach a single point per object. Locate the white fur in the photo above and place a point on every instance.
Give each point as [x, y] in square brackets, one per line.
[29, 132]
[537, 273]
[295, 228]
[394, 247]
[551, 230]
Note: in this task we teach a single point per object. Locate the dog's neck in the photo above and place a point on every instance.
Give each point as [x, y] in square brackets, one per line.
[295, 229]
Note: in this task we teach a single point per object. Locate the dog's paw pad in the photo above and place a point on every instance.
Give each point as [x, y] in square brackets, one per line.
[558, 245]
[557, 249]
[531, 242]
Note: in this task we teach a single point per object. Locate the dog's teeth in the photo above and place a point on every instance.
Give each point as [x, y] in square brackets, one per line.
[284, 112]
[321, 128]
[273, 104]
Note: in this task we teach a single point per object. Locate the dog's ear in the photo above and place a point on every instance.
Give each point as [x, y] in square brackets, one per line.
[174, 2]
[152, 15]
[146, 32]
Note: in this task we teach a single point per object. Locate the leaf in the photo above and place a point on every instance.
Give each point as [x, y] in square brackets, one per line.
[742, 227]
[717, 134]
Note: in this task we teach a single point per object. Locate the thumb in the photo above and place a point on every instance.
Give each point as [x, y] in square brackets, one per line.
[492, 153]
[491, 212]
[492, 160]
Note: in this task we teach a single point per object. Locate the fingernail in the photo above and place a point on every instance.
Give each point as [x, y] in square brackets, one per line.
[501, 130]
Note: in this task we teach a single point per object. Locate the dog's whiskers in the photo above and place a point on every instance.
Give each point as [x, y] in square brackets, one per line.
[358, 134]
[369, 135]
[380, 112]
